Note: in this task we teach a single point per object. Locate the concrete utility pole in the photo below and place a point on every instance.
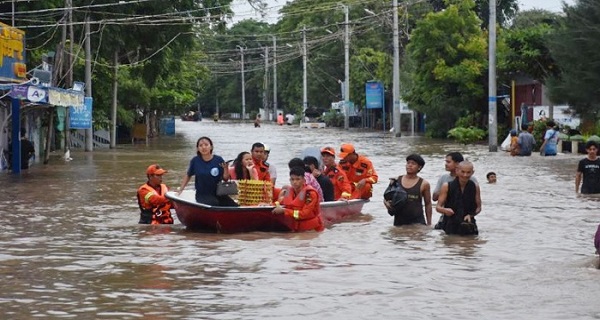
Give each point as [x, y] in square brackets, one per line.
[346, 69]
[396, 115]
[304, 80]
[275, 77]
[493, 124]
[243, 84]
[266, 84]
[89, 133]
[113, 118]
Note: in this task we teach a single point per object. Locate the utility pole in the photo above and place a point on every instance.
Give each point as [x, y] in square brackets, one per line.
[113, 118]
[347, 70]
[304, 80]
[13, 13]
[275, 77]
[243, 84]
[493, 125]
[396, 116]
[266, 84]
[89, 133]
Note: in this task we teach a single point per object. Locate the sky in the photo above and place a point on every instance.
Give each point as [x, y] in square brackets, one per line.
[243, 10]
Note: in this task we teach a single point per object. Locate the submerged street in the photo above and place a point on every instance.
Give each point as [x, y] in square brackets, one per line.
[71, 247]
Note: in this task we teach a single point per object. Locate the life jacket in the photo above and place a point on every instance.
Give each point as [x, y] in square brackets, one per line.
[154, 215]
[263, 170]
[341, 185]
[310, 222]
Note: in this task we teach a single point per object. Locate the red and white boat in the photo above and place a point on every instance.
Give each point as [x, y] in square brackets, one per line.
[198, 216]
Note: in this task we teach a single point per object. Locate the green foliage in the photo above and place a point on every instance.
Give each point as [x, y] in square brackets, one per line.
[447, 59]
[334, 119]
[466, 135]
[525, 46]
[574, 47]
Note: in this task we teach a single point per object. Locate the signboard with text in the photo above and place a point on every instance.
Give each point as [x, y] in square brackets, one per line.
[12, 50]
[81, 117]
[374, 94]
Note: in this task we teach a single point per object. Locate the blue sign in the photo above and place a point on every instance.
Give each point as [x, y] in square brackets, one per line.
[374, 94]
[81, 117]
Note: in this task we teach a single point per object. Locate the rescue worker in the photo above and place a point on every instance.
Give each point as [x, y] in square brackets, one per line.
[341, 185]
[359, 170]
[301, 203]
[258, 156]
[155, 208]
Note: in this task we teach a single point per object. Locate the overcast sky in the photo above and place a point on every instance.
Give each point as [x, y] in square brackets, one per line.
[243, 11]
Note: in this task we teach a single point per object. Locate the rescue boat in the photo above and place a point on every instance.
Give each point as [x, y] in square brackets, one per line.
[202, 217]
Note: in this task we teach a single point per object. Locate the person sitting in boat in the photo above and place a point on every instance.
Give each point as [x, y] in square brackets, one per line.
[308, 177]
[154, 207]
[359, 170]
[341, 184]
[243, 167]
[272, 168]
[208, 170]
[312, 164]
[300, 202]
[258, 156]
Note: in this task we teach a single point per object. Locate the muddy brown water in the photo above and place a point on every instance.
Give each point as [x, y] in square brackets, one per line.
[71, 248]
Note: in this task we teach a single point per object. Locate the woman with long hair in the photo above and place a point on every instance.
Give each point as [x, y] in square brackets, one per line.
[243, 167]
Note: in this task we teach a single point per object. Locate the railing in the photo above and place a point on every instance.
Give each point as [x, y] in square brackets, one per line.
[101, 139]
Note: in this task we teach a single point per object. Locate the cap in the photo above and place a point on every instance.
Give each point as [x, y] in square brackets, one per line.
[416, 158]
[155, 170]
[267, 148]
[328, 150]
[345, 150]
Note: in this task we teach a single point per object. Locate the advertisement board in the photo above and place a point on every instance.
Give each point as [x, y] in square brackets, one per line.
[374, 94]
[12, 48]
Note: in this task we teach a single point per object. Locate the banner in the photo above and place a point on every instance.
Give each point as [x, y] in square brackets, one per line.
[81, 117]
[374, 94]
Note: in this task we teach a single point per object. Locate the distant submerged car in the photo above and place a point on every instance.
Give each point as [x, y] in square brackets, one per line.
[191, 116]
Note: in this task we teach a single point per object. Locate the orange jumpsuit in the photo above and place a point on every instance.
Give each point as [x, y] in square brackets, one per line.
[361, 169]
[304, 207]
[341, 185]
[155, 208]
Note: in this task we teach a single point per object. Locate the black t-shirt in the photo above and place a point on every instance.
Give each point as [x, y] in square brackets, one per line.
[591, 175]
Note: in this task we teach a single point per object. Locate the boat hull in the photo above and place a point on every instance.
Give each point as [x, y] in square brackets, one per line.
[198, 216]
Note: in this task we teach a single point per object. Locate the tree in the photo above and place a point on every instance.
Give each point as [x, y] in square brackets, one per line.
[526, 46]
[505, 9]
[575, 50]
[446, 62]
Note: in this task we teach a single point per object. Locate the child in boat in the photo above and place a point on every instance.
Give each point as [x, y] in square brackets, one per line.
[301, 203]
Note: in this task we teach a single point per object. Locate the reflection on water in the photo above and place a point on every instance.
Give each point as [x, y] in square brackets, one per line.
[70, 245]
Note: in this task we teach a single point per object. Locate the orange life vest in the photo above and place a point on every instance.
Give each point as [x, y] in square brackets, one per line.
[341, 185]
[294, 205]
[151, 214]
[263, 170]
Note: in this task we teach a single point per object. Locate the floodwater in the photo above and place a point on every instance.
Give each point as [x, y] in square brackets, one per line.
[71, 248]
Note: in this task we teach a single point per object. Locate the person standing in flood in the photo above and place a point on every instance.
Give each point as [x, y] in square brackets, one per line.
[549, 146]
[460, 202]
[418, 193]
[154, 206]
[588, 170]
